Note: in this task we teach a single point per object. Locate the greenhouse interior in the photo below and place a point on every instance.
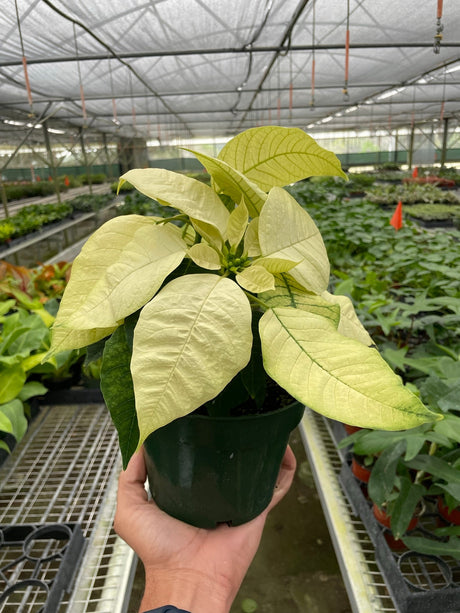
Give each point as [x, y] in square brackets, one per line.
[226, 227]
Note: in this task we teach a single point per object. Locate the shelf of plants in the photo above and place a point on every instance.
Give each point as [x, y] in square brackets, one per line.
[65, 472]
[377, 578]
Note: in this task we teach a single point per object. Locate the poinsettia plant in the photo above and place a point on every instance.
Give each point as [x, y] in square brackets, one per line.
[193, 302]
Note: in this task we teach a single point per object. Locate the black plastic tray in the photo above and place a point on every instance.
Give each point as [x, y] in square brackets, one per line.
[37, 565]
[417, 583]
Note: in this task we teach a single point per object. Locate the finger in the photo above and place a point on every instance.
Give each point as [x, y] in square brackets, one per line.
[285, 477]
[131, 481]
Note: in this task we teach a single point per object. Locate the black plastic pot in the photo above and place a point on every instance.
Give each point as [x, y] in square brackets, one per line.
[210, 470]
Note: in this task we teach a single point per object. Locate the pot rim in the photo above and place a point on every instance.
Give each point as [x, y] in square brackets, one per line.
[242, 417]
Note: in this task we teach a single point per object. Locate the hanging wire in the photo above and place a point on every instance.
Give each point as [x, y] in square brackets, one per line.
[24, 60]
[114, 103]
[313, 43]
[82, 94]
[248, 47]
[443, 95]
[133, 108]
[347, 52]
[439, 29]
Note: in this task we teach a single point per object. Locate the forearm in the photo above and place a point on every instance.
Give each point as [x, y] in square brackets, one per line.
[186, 590]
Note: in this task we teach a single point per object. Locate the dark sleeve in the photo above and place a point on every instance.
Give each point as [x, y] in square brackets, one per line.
[169, 608]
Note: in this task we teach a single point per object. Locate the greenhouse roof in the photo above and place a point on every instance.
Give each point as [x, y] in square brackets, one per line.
[211, 68]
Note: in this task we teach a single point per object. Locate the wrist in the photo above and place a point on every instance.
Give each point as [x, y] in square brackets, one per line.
[185, 589]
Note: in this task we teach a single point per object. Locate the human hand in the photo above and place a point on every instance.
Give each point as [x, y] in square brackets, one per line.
[191, 568]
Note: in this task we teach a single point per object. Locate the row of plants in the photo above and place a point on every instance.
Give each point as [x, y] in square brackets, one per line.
[36, 216]
[409, 193]
[404, 286]
[32, 218]
[40, 188]
[29, 300]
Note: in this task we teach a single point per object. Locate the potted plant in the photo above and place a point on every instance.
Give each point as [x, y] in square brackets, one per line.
[219, 310]
[413, 472]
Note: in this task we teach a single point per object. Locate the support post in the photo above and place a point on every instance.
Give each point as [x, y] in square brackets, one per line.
[4, 200]
[107, 157]
[411, 147]
[85, 160]
[51, 161]
[396, 145]
[445, 135]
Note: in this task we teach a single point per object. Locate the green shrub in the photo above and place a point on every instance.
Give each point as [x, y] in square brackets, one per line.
[87, 203]
[95, 178]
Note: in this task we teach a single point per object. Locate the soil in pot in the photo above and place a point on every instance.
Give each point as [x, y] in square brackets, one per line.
[209, 470]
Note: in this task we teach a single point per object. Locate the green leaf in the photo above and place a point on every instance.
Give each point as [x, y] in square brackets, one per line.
[31, 389]
[256, 279]
[205, 256]
[189, 196]
[118, 391]
[5, 424]
[14, 411]
[135, 272]
[3, 445]
[231, 182]
[334, 375]
[275, 156]
[11, 381]
[287, 231]
[189, 342]
[405, 506]
[432, 547]
[6, 306]
[437, 467]
[383, 474]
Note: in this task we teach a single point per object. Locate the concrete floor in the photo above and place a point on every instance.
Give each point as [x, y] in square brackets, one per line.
[295, 569]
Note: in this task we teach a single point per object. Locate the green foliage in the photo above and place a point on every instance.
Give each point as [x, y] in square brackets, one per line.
[430, 212]
[20, 191]
[94, 179]
[87, 203]
[409, 193]
[136, 203]
[33, 217]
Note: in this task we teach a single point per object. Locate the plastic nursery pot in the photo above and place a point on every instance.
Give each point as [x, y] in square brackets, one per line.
[361, 472]
[384, 520]
[211, 470]
[453, 516]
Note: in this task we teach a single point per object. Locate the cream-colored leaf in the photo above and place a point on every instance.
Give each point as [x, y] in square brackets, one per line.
[188, 195]
[96, 256]
[349, 324]
[63, 339]
[288, 293]
[287, 231]
[205, 256]
[210, 233]
[133, 276]
[231, 182]
[276, 156]
[189, 342]
[334, 375]
[237, 224]
[256, 279]
[276, 265]
[251, 239]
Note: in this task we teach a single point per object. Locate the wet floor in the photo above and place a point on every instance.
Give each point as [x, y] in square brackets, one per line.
[295, 569]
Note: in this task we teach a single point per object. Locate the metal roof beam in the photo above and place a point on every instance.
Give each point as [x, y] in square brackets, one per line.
[226, 50]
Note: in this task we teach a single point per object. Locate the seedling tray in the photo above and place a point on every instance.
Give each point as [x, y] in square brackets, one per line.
[417, 583]
[37, 565]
